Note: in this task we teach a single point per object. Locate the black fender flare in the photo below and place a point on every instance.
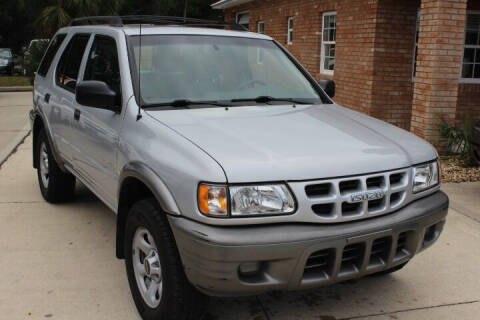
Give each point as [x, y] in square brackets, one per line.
[37, 118]
[156, 186]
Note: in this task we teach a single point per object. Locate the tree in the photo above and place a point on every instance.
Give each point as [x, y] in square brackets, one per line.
[24, 20]
[52, 18]
[60, 14]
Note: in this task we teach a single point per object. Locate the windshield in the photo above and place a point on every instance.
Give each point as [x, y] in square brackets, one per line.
[214, 68]
[5, 53]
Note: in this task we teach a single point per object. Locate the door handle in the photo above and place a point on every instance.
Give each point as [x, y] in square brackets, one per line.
[76, 114]
[47, 98]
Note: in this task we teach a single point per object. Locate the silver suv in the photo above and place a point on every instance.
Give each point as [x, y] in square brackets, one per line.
[231, 170]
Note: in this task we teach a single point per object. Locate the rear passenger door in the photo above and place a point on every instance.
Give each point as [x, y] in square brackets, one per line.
[62, 96]
[43, 84]
[97, 130]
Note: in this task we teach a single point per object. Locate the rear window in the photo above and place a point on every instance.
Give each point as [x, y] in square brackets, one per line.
[50, 54]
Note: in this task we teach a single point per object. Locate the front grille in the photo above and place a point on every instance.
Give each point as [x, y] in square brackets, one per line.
[323, 209]
[318, 190]
[375, 182]
[353, 198]
[349, 186]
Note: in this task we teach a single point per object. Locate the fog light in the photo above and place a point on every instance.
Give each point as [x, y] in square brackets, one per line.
[249, 268]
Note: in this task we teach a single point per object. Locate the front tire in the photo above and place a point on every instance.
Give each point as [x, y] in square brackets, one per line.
[56, 186]
[155, 273]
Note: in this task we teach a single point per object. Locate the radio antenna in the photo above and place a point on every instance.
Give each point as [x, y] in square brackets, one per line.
[139, 114]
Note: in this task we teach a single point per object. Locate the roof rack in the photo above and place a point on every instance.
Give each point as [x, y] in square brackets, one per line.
[120, 21]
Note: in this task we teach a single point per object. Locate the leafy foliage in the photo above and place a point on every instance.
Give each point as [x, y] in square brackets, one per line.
[24, 20]
[458, 139]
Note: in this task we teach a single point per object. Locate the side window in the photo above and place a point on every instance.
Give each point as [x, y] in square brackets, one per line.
[102, 63]
[50, 54]
[69, 64]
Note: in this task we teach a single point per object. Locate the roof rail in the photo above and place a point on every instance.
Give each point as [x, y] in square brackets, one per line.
[119, 21]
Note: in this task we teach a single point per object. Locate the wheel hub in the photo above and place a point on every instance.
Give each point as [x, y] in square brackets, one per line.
[149, 261]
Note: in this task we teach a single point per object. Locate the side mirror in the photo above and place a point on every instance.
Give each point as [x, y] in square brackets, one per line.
[97, 94]
[328, 86]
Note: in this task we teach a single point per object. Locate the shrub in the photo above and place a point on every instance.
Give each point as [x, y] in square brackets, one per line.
[458, 139]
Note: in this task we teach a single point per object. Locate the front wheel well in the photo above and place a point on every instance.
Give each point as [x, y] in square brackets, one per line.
[132, 190]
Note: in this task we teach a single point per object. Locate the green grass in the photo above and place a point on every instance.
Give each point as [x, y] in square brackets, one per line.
[14, 81]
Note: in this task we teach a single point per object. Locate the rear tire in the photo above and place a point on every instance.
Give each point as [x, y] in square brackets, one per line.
[56, 186]
[153, 262]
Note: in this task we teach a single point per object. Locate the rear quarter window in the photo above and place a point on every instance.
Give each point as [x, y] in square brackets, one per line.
[50, 54]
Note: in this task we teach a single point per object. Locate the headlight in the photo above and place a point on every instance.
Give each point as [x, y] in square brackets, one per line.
[261, 200]
[250, 200]
[425, 176]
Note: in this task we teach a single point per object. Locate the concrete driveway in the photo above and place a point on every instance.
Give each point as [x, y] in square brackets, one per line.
[14, 125]
[58, 261]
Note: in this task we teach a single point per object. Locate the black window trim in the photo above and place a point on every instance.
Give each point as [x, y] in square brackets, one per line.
[89, 34]
[134, 71]
[102, 35]
[64, 34]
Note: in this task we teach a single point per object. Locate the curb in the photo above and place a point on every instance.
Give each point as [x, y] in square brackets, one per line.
[16, 89]
[12, 147]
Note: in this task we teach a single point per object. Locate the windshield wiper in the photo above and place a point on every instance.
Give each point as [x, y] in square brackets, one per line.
[265, 99]
[183, 103]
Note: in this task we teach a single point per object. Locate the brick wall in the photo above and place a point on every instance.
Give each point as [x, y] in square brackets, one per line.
[469, 94]
[354, 57]
[393, 62]
[440, 53]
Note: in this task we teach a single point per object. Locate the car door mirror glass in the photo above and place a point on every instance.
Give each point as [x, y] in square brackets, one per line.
[328, 86]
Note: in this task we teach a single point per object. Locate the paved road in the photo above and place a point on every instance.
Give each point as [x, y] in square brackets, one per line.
[57, 261]
[14, 125]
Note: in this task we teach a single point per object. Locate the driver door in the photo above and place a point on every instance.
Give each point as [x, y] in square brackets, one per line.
[97, 130]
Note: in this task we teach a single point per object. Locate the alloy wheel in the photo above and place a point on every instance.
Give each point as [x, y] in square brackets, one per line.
[147, 267]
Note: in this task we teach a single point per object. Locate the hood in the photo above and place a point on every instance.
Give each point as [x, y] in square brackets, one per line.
[277, 143]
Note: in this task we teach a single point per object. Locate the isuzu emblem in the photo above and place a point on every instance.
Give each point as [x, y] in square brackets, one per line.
[366, 196]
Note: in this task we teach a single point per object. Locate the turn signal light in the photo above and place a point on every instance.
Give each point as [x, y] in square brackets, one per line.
[212, 200]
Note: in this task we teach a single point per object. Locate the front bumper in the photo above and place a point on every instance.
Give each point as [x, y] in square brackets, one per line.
[300, 256]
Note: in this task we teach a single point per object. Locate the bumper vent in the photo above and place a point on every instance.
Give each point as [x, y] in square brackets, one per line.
[380, 251]
[320, 264]
[352, 258]
[372, 254]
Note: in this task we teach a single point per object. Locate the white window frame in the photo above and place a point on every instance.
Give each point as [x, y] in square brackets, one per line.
[290, 30]
[323, 43]
[261, 23]
[469, 80]
[238, 14]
